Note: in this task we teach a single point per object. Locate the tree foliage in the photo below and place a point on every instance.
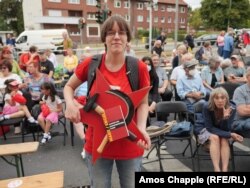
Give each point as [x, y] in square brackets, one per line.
[11, 15]
[218, 14]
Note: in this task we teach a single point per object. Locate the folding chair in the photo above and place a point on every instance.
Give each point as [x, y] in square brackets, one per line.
[198, 126]
[180, 108]
[13, 121]
[156, 133]
[229, 87]
[238, 153]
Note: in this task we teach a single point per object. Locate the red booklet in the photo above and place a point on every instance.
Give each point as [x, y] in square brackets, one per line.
[116, 128]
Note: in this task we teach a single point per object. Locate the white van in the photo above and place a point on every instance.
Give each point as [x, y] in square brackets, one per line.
[42, 39]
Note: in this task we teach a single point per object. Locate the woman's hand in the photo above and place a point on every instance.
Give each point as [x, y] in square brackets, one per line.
[237, 137]
[72, 111]
[151, 108]
[145, 145]
[227, 112]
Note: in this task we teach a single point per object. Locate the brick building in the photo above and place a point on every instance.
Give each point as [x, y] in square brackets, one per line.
[49, 14]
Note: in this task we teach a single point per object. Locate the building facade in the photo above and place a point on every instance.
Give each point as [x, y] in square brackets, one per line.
[55, 14]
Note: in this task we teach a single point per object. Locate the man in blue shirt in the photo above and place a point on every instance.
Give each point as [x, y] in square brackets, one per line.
[190, 87]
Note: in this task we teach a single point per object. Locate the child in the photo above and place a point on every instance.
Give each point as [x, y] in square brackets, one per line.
[14, 106]
[54, 104]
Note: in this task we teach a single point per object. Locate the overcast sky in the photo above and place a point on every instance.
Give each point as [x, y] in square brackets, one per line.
[193, 3]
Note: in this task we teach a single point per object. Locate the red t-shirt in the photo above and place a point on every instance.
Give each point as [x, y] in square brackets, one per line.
[24, 58]
[122, 148]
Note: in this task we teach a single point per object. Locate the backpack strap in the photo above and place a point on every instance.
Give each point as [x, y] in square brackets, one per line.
[131, 71]
[94, 64]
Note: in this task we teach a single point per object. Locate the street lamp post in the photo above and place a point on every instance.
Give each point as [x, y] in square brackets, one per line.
[229, 10]
[176, 23]
[151, 5]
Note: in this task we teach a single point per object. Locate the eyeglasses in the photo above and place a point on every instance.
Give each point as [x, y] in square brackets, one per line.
[113, 33]
[3, 68]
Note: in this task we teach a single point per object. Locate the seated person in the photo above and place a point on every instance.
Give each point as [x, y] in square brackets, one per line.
[33, 81]
[163, 90]
[235, 73]
[205, 53]
[154, 82]
[28, 57]
[70, 62]
[157, 49]
[177, 60]
[46, 65]
[215, 126]
[179, 72]
[190, 87]
[14, 104]
[242, 99]
[212, 74]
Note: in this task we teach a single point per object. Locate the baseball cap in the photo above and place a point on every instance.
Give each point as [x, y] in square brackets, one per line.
[14, 83]
[234, 57]
[190, 63]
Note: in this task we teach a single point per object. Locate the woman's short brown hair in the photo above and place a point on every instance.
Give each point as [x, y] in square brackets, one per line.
[7, 63]
[109, 23]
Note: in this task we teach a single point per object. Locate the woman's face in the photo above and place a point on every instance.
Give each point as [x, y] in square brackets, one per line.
[220, 100]
[156, 61]
[5, 71]
[7, 55]
[116, 40]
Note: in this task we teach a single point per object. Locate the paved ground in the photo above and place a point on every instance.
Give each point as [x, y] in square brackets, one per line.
[54, 157]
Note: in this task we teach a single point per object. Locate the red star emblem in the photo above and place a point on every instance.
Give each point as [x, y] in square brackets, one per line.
[108, 99]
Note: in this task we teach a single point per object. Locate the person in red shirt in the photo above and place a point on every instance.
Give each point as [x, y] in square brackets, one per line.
[28, 57]
[126, 154]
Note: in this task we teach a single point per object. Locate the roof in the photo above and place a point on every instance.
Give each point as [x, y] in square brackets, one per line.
[181, 2]
[172, 2]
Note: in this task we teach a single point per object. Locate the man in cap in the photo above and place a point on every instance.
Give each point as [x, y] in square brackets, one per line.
[190, 87]
[235, 73]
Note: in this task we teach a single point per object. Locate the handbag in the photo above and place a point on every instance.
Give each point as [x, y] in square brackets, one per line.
[45, 110]
[180, 129]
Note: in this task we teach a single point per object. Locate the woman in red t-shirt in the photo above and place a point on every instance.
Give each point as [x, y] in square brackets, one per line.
[126, 154]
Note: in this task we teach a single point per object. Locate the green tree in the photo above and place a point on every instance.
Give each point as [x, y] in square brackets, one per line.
[195, 20]
[217, 14]
[11, 15]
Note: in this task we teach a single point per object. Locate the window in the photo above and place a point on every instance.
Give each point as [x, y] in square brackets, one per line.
[148, 19]
[72, 13]
[126, 4]
[93, 30]
[55, 13]
[182, 20]
[91, 16]
[22, 39]
[139, 18]
[127, 17]
[163, 8]
[170, 8]
[117, 4]
[140, 6]
[74, 1]
[162, 19]
[182, 10]
[55, 1]
[91, 2]
[156, 7]
[156, 19]
[169, 20]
